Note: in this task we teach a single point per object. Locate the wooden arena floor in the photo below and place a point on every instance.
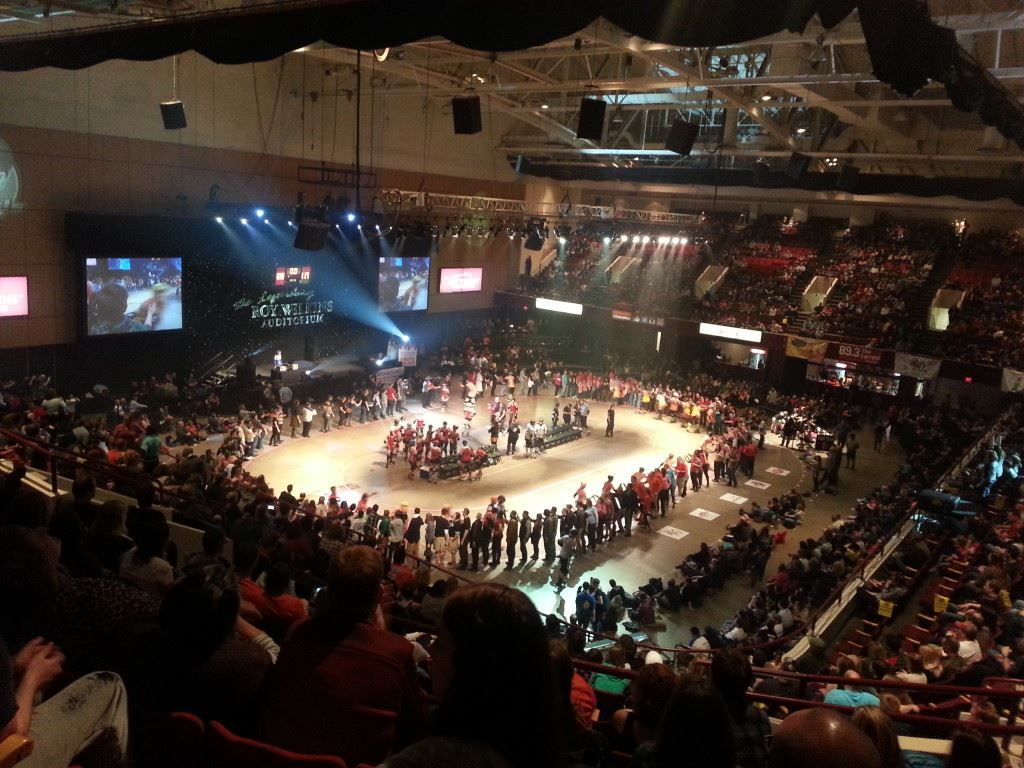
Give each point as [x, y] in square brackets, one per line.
[353, 459]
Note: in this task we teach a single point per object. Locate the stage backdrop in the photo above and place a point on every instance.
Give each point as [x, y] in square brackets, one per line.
[244, 289]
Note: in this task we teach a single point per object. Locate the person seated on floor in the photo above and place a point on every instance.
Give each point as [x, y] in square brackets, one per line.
[671, 598]
[644, 613]
[344, 668]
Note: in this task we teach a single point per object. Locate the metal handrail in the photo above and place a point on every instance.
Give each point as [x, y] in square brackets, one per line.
[55, 455]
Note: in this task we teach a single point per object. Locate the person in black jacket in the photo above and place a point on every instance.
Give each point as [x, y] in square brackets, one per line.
[550, 533]
[479, 539]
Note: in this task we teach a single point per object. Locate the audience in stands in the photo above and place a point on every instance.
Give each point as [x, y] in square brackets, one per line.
[199, 639]
[880, 271]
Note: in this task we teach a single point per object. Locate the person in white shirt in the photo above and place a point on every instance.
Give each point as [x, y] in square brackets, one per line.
[308, 412]
[529, 435]
[970, 650]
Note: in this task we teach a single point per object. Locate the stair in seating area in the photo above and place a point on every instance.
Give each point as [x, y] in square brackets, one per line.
[798, 317]
[920, 303]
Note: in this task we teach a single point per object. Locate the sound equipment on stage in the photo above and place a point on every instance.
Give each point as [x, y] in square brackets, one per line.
[591, 125]
[466, 114]
[848, 176]
[173, 115]
[681, 137]
[245, 373]
[311, 348]
[797, 165]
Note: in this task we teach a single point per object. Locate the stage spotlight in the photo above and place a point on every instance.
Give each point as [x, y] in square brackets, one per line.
[607, 241]
[645, 240]
[266, 221]
[636, 239]
[351, 217]
[259, 213]
[359, 227]
[290, 224]
[379, 361]
[684, 241]
[219, 219]
[561, 241]
[675, 241]
[405, 338]
[243, 221]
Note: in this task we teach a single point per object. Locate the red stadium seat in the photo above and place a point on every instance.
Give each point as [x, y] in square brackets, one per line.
[176, 740]
[226, 750]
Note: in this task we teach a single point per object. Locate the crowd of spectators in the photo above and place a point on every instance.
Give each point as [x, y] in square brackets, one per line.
[213, 637]
[758, 290]
[988, 324]
[302, 627]
[880, 270]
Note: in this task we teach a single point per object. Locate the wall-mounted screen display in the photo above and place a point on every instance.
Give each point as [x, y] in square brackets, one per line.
[292, 276]
[130, 295]
[461, 280]
[13, 296]
[403, 283]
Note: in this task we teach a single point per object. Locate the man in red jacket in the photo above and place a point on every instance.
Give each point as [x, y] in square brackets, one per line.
[343, 685]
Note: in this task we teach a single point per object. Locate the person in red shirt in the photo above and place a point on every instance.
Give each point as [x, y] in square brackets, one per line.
[479, 460]
[748, 453]
[414, 459]
[466, 461]
[343, 685]
[280, 609]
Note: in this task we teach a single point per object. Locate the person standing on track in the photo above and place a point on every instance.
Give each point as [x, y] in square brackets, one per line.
[566, 546]
[512, 535]
[513, 438]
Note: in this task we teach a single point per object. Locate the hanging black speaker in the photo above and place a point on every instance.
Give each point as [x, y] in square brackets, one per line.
[173, 114]
[797, 165]
[311, 235]
[591, 125]
[848, 176]
[681, 137]
[466, 114]
[761, 172]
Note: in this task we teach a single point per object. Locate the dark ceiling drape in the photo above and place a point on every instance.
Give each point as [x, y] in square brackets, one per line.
[261, 34]
[976, 189]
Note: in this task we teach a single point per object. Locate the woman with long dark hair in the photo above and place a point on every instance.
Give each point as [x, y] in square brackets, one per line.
[695, 730]
[492, 673]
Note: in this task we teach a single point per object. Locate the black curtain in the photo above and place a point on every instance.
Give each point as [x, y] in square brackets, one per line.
[262, 34]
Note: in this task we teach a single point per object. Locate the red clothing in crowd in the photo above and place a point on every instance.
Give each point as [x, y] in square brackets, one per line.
[354, 696]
